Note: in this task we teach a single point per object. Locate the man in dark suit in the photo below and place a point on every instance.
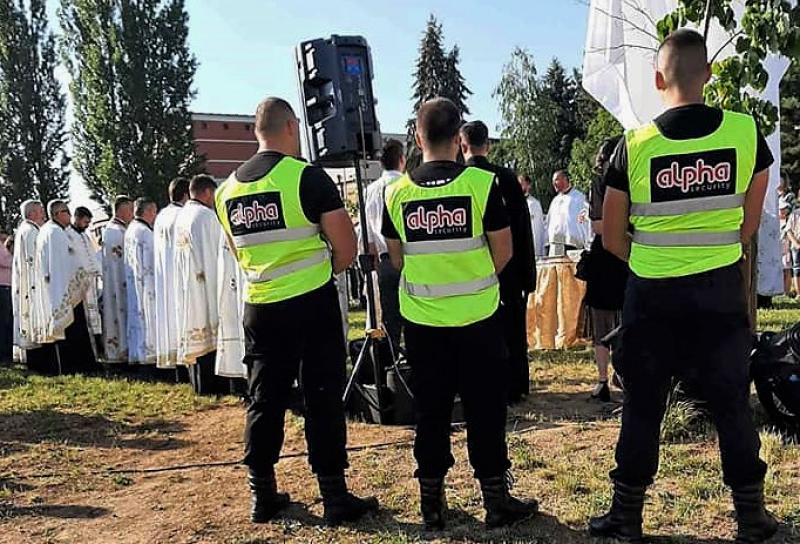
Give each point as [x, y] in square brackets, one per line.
[518, 279]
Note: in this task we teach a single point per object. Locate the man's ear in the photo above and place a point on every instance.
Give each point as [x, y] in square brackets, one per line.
[661, 82]
[707, 75]
[418, 139]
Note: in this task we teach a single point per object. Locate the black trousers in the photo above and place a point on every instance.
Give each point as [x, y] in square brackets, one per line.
[389, 284]
[75, 352]
[514, 315]
[470, 361]
[43, 360]
[300, 337]
[693, 325]
[6, 324]
[203, 379]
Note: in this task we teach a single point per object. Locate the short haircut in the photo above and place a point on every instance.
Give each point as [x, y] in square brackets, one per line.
[476, 133]
[121, 201]
[392, 155]
[200, 183]
[178, 189]
[27, 207]
[560, 173]
[438, 120]
[141, 204]
[81, 212]
[272, 114]
[683, 58]
[526, 178]
[55, 206]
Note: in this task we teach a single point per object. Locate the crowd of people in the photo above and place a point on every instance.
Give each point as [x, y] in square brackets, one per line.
[238, 281]
[157, 290]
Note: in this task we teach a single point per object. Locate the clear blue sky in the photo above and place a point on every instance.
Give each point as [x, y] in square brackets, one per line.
[245, 47]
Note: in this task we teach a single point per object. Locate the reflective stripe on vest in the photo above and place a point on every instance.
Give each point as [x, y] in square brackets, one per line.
[687, 239]
[280, 271]
[449, 289]
[281, 235]
[430, 247]
[679, 207]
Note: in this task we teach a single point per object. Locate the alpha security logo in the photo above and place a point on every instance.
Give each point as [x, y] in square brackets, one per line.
[693, 175]
[256, 213]
[437, 219]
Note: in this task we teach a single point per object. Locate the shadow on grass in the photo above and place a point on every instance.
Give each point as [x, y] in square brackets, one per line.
[62, 511]
[573, 407]
[89, 430]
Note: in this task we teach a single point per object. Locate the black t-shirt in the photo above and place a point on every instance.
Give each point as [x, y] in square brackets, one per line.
[682, 123]
[318, 193]
[596, 194]
[438, 173]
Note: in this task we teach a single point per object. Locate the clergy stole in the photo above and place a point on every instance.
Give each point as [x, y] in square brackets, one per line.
[87, 258]
[230, 338]
[141, 301]
[165, 287]
[115, 331]
[197, 239]
[23, 286]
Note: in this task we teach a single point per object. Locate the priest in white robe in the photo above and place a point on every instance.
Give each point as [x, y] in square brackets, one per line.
[63, 287]
[230, 338]
[140, 282]
[88, 255]
[24, 283]
[164, 246]
[115, 331]
[197, 234]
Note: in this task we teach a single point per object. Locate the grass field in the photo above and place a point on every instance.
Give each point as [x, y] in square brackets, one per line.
[113, 459]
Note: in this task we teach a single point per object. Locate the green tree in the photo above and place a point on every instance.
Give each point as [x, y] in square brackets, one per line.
[562, 90]
[436, 73]
[766, 26]
[584, 150]
[132, 75]
[33, 161]
[790, 123]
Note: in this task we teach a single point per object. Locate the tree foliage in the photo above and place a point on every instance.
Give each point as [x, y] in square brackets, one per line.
[584, 150]
[132, 75]
[790, 123]
[766, 26]
[542, 117]
[436, 74]
[33, 161]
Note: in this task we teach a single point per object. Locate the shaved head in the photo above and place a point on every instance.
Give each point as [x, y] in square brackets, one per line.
[683, 61]
[272, 115]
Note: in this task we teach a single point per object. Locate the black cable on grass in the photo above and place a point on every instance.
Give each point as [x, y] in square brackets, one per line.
[217, 464]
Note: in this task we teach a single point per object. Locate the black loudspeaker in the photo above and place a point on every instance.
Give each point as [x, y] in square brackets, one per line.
[335, 81]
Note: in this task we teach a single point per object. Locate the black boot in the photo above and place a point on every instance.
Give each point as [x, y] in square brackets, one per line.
[432, 503]
[265, 499]
[341, 505]
[755, 523]
[624, 520]
[501, 508]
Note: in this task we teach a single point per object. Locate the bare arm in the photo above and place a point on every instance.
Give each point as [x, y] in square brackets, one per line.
[338, 229]
[754, 204]
[395, 248]
[500, 247]
[615, 223]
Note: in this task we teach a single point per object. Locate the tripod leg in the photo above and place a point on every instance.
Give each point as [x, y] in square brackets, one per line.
[356, 367]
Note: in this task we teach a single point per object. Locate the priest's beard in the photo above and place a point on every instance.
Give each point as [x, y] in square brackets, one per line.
[79, 230]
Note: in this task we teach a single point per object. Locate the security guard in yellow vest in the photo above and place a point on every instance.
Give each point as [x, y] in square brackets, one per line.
[692, 185]
[446, 228]
[291, 232]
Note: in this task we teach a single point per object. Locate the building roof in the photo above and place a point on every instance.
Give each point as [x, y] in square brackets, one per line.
[197, 116]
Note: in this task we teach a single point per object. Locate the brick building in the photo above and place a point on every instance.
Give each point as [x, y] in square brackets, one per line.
[226, 141]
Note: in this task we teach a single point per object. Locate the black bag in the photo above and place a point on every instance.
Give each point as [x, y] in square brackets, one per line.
[775, 369]
[583, 269]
